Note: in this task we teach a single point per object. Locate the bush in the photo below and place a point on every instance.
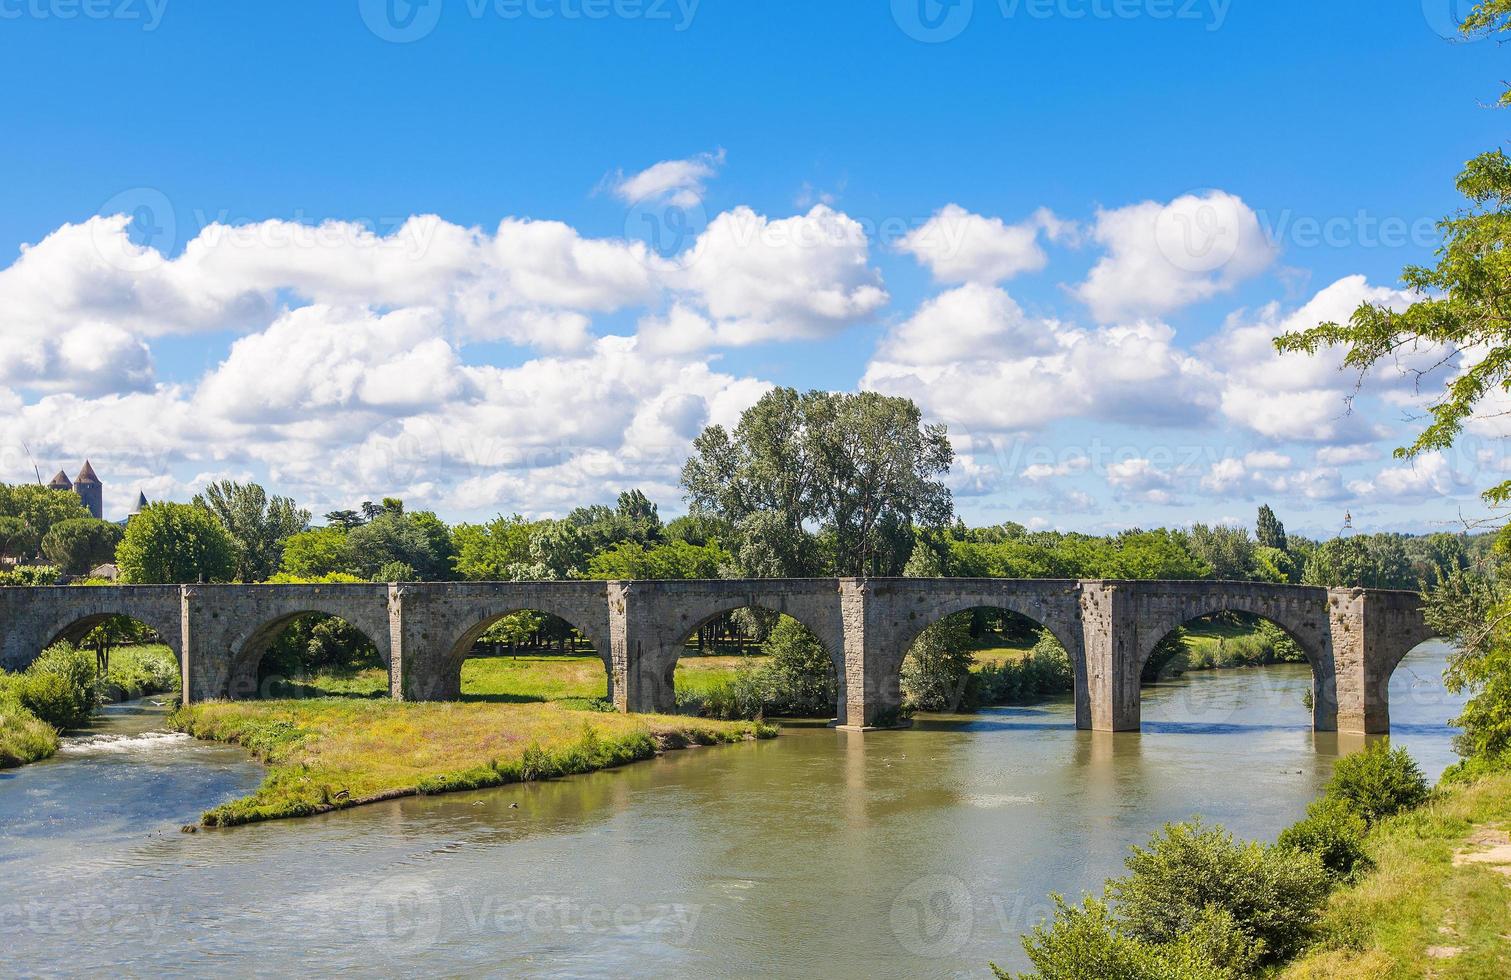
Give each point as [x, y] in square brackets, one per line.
[1045, 672]
[29, 575]
[1086, 943]
[936, 672]
[1272, 894]
[59, 687]
[798, 677]
[1378, 782]
[740, 698]
[23, 736]
[1332, 833]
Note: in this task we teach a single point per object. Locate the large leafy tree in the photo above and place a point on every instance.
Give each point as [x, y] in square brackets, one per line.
[259, 525]
[860, 468]
[18, 539]
[176, 543]
[79, 544]
[39, 507]
[1268, 531]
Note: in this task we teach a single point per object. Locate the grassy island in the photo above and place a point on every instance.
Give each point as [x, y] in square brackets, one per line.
[330, 753]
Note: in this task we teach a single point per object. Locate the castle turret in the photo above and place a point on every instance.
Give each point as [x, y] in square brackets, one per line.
[61, 482]
[91, 491]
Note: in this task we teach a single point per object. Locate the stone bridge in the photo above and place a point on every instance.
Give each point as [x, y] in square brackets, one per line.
[1352, 638]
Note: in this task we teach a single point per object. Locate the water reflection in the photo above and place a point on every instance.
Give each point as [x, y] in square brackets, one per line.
[925, 852]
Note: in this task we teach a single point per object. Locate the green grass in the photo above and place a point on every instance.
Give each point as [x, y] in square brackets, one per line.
[137, 671]
[1425, 910]
[332, 753]
[23, 736]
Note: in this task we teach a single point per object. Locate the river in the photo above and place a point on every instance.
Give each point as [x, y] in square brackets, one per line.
[920, 853]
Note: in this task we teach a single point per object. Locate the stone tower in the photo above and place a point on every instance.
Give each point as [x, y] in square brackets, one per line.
[90, 490]
[60, 482]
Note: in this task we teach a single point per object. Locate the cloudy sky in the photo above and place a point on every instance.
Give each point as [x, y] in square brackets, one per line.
[512, 257]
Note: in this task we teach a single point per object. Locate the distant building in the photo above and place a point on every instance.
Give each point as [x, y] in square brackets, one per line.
[88, 486]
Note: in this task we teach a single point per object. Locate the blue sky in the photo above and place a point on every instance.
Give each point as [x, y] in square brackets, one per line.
[1316, 142]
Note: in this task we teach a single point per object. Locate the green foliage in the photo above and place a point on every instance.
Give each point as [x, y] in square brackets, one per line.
[315, 642]
[257, 523]
[1274, 565]
[1371, 561]
[1334, 834]
[798, 677]
[137, 671]
[1045, 673]
[79, 544]
[862, 468]
[18, 539]
[29, 575]
[492, 552]
[39, 507]
[936, 671]
[396, 538]
[1087, 942]
[1268, 531]
[58, 687]
[1228, 551]
[1169, 657]
[673, 560]
[1469, 609]
[1271, 895]
[1378, 782]
[315, 553]
[24, 737]
[171, 543]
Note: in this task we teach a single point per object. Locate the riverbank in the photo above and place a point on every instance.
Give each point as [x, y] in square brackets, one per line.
[58, 693]
[333, 753]
[1435, 903]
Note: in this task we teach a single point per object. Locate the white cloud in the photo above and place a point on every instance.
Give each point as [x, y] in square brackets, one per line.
[678, 182]
[1142, 480]
[803, 277]
[972, 358]
[1305, 397]
[958, 246]
[1161, 257]
[1344, 455]
[1427, 476]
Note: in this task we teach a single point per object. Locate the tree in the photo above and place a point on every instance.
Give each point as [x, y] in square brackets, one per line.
[394, 537]
[79, 544]
[1268, 531]
[861, 468]
[673, 560]
[492, 552]
[1228, 550]
[176, 543]
[1370, 561]
[315, 553]
[18, 539]
[39, 507]
[257, 523]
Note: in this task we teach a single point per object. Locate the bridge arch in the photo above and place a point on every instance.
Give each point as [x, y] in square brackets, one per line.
[1299, 612]
[456, 654]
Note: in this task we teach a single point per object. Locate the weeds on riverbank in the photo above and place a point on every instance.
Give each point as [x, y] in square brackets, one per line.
[333, 753]
[23, 736]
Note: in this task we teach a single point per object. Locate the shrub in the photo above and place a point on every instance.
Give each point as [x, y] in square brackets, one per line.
[1378, 782]
[1086, 943]
[738, 698]
[936, 672]
[1334, 834]
[137, 671]
[23, 736]
[1045, 672]
[59, 687]
[798, 677]
[1272, 894]
[29, 575]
